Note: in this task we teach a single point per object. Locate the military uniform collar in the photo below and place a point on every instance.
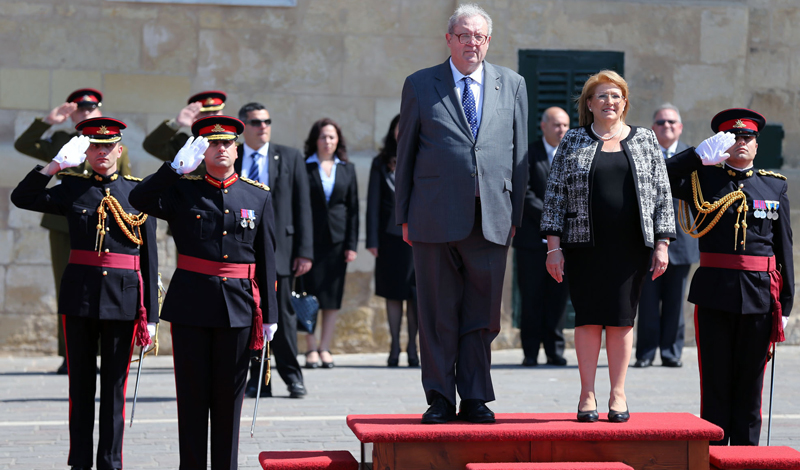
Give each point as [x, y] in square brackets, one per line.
[103, 179]
[221, 184]
[739, 174]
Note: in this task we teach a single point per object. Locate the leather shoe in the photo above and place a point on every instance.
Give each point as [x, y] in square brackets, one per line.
[311, 365]
[618, 416]
[641, 363]
[392, 362]
[296, 390]
[413, 362]
[589, 416]
[529, 362]
[671, 362]
[252, 390]
[62, 369]
[475, 411]
[556, 361]
[81, 468]
[440, 411]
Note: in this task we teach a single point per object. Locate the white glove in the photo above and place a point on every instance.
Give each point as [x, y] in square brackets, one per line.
[785, 321]
[712, 150]
[269, 330]
[189, 157]
[151, 330]
[73, 153]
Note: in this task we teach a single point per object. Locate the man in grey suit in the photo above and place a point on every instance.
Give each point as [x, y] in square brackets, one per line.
[661, 324]
[461, 176]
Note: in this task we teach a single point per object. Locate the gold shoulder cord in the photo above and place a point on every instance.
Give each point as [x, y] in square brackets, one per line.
[122, 217]
[704, 208]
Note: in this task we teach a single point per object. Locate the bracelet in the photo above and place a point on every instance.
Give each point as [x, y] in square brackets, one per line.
[553, 250]
[664, 240]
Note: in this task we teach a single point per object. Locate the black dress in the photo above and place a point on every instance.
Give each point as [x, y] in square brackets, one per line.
[394, 266]
[606, 279]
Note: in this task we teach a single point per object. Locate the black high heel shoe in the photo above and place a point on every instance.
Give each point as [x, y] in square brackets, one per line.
[618, 416]
[325, 365]
[311, 365]
[590, 416]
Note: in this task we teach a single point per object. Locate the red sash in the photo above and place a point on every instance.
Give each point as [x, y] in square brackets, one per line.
[754, 263]
[235, 271]
[118, 261]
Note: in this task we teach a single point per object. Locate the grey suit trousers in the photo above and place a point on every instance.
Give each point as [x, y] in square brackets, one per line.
[459, 289]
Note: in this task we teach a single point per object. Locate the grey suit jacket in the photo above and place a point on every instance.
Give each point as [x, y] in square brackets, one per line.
[438, 159]
[684, 250]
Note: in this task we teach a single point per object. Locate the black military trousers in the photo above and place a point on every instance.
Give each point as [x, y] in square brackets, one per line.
[210, 373]
[661, 325]
[116, 346]
[544, 305]
[284, 345]
[732, 353]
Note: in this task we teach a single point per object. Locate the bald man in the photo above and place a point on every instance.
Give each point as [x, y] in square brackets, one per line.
[544, 301]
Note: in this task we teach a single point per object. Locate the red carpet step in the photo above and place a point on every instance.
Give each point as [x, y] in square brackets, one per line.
[650, 441]
[308, 460]
[550, 466]
[742, 457]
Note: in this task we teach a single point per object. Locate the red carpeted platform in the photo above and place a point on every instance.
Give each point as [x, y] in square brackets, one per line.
[649, 440]
[742, 457]
[550, 466]
[308, 460]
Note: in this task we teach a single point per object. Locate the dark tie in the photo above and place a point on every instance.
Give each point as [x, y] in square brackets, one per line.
[255, 169]
[468, 102]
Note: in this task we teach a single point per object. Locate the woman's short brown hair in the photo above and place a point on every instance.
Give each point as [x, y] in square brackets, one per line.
[585, 117]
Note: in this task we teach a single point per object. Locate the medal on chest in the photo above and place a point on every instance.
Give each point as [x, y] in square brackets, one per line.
[248, 218]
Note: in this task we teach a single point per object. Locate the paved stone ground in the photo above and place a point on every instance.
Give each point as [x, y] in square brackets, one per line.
[34, 405]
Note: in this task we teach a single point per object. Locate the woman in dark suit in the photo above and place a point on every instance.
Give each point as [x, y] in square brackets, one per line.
[334, 210]
[394, 260]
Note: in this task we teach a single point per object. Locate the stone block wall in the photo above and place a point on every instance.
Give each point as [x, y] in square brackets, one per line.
[347, 60]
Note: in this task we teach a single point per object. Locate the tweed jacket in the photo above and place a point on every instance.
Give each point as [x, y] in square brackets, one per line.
[567, 200]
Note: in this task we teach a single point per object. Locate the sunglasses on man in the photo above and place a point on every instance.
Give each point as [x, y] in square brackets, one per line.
[258, 122]
[662, 122]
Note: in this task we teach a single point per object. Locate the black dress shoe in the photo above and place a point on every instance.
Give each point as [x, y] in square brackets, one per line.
[440, 411]
[530, 362]
[475, 411]
[641, 363]
[252, 390]
[618, 416]
[671, 362]
[589, 416]
[556, 361]
[392, 362]
[81, 468]
[296, 390]
[62, 369]
[413, 362]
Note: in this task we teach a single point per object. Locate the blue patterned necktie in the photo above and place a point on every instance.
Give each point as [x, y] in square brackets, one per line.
[255, 169]
[468, 103]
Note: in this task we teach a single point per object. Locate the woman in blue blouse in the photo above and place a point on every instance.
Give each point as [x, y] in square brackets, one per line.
[334, 210]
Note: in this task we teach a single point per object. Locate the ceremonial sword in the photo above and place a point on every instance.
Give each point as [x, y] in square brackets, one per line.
[161, 292]
[771, 390]
[264, 355]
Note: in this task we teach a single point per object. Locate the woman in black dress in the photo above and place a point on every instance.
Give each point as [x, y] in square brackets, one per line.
[394, 260]
[608, 205]
[334, 210]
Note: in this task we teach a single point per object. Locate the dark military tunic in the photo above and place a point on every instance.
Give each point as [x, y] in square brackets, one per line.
[733, 316]
[31, 143]
[211, 315]
[96, 302]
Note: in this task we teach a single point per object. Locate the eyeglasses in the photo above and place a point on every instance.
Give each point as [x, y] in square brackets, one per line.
[662, 122]
[258, 122]
[609, 98]
[466, 38]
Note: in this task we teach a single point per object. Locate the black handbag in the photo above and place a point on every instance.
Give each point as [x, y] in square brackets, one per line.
[305, 307]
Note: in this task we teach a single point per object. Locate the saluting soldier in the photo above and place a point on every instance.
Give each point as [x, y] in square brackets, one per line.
[110, 286]
[80, 105]
[223, 289]
[165, 141]
[744, 287]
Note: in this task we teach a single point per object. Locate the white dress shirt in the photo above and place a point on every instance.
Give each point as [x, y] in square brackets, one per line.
[550, 150]
[327, 181]
[669, 152]
[247, 163]
[476, 86]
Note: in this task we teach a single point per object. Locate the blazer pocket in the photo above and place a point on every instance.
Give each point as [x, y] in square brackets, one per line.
[290, 230]
[507, 185]
[203, 223]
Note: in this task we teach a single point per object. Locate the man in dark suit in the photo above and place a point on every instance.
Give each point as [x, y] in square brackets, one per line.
[544, 301]
[661, 324]
[80, 105]
[221, 300]
[744, 288]
[460, 187]
[283, 170]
